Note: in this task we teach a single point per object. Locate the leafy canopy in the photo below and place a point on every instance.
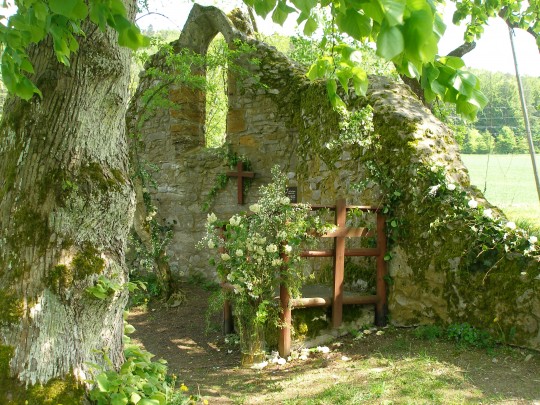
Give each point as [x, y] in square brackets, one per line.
[405, 32]
[62, 20]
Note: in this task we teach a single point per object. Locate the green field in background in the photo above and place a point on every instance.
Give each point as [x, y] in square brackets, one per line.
[507, 182]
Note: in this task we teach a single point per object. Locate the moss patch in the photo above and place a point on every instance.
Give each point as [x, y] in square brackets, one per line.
[11, 308]
[55, 392]
[85, 263]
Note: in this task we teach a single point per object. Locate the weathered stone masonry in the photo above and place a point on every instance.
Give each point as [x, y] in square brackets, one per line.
[283, 119]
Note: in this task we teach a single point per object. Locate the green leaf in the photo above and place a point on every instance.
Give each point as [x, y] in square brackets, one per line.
[393, 11]
[99, 14]
[305, 6]
[343, 75]
[135, 398]
[320, 68]
[452, 61]
[263, 7]
[25, 89]
[103, 382]
[355, 24]
[360, 80]
[129, 34]
[148, 401]
[310, 26]
[129, 329]
[40, 11]
[72, 9]
[119, 399]
[420, 41]
[390, 42]
[282, 11]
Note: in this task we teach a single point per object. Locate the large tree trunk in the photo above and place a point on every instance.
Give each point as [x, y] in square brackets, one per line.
[66, 206]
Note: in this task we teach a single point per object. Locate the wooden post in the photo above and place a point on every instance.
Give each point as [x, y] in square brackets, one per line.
[284, 344]
[240, 173]
[228, 324]
[381, 306]
[339, 265]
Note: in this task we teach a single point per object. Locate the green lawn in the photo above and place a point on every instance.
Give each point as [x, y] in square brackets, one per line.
[507, 182]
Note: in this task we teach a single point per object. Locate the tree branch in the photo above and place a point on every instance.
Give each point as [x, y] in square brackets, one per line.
[463, 49]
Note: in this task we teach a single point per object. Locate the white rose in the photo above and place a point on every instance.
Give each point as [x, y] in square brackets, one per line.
[235, 220]
[473, 203]
[225, 257]
[533, 240]
[451, 187]
[511, 225]
[255, 208]
[239, 253]
[211, 218]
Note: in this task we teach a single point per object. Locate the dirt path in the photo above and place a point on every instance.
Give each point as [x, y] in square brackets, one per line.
[209, 366]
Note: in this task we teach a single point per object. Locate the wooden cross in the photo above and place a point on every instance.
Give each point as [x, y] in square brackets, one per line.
[240, 173]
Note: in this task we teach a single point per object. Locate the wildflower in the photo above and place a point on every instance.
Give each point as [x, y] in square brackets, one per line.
[282, 234]
[288, 248]
[211, 244]
[380, 332]
[211, 218]
[511, 225]
[488, 213]
[533, 239]
[239, 253]
[255, 208]
[285, 200]
[271, 248]
[366, 332]
[225, 257]
[184, 388]
[472, 203]
[451, 186]
[276, 262]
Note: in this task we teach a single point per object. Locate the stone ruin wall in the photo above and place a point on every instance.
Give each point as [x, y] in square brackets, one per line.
[265, 124]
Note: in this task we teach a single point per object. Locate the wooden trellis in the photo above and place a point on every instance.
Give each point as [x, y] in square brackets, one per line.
[339, 252]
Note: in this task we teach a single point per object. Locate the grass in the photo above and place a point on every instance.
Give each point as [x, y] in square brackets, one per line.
[507, 182]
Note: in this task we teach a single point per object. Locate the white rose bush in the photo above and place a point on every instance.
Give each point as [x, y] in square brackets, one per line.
[495, 235]
[256, 251]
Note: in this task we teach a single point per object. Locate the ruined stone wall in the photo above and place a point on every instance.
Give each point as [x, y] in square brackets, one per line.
[281, 118]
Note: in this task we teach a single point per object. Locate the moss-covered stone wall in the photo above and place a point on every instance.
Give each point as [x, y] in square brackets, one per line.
[408, 162]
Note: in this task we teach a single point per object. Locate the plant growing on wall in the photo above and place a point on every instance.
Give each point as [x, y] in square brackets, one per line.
[257, 251]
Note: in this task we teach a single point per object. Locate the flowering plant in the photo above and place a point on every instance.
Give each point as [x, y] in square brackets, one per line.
[257, 251]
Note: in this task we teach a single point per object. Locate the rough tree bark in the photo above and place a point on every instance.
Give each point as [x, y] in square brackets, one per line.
[66, 206]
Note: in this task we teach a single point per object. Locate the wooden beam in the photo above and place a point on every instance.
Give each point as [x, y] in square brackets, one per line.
[348, 252]
[349, 232]
[339, 266]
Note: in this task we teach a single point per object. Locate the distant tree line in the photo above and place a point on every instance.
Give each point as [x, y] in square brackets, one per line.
[499, 127]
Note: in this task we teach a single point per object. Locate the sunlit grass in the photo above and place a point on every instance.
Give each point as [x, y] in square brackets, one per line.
[508, 182]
